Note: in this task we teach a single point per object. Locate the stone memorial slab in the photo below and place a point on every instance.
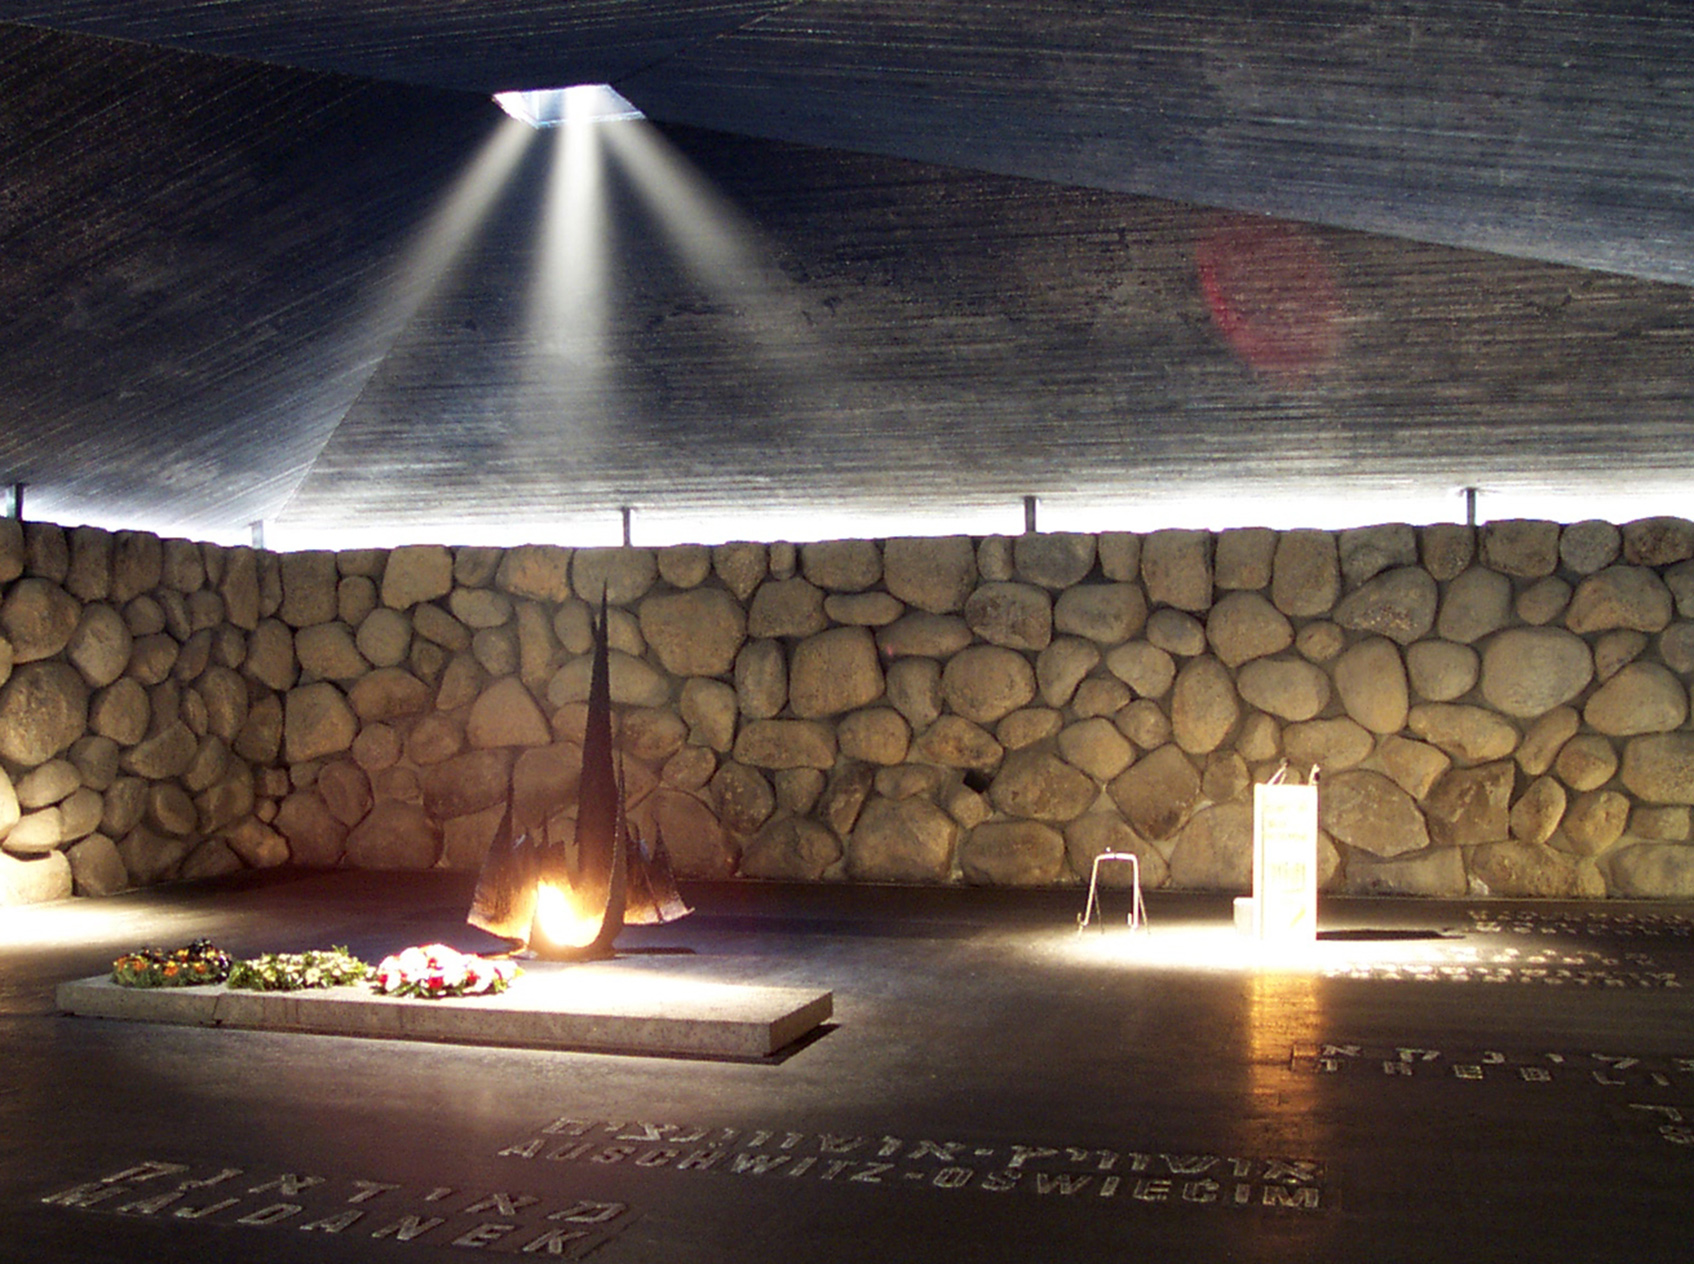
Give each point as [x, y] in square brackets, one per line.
[599, 1006]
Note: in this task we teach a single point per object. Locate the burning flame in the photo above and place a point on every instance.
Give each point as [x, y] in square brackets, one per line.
[558, 918]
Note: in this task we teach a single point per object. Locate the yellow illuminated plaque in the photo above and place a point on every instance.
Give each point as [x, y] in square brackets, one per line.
[1285, 862]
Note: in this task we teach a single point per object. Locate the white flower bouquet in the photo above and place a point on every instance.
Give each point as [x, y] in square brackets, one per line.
[435, 970]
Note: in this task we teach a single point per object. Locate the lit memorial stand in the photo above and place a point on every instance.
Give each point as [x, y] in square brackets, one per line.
[1284, 905]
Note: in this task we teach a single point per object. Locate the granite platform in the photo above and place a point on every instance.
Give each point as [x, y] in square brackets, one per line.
[594, 1006]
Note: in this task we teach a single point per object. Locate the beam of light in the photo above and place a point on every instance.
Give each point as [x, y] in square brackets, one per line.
[420, 266]
[565, 370]
[723, 254]
[441, 241]
[437, 246]
[567, 318]
[706, 231]
[552, 107]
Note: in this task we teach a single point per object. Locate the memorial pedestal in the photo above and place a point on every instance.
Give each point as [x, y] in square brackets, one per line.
[584, 1007]
[1284, 905]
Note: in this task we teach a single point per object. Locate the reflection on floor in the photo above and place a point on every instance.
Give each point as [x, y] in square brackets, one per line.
[1464, 1081]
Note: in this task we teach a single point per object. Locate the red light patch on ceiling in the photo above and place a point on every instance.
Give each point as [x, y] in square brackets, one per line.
[1272, 294]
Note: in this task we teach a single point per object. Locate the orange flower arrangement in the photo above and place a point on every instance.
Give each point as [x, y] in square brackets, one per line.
[196, 963]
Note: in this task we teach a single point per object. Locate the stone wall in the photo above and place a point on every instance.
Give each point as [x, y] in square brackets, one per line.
[1503, 710]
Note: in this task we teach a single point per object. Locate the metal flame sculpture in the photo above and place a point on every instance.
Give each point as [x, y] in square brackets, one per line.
[568, 902]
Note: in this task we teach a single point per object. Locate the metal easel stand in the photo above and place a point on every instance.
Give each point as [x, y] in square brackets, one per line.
[1137, 909]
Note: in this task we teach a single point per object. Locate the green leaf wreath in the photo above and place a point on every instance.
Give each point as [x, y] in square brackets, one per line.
[292, 971]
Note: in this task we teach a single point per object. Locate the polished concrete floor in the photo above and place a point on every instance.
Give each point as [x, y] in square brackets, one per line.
[1470, 1081]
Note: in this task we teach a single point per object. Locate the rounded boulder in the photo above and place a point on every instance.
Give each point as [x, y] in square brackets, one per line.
[1528, 671]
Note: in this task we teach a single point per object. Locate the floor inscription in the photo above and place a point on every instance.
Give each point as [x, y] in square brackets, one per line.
[1550, 967]
[507, 1221]
[1079, 1173]
[1607, 1070]
[1673, 1124]
[1595, 923]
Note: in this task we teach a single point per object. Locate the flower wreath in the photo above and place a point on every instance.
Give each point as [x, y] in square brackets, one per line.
[292, 971]
[435, 970]
[429, 970]
[195, 963]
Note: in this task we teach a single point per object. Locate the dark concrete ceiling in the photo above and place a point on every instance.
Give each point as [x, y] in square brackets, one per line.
[1001, 247]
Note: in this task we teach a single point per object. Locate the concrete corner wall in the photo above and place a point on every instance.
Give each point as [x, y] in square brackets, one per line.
[1498, 710]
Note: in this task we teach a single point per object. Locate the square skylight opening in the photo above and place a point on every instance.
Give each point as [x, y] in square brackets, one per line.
[582, 102]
